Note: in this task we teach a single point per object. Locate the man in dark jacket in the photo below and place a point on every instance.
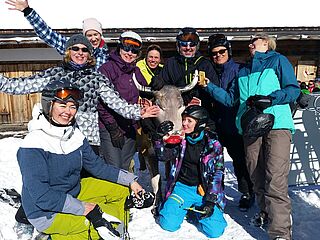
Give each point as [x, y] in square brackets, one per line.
[220, 52]
[178, 70]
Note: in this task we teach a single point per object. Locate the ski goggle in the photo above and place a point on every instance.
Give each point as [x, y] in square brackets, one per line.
[186, 44]
[130, 48]
[67, 93]
[76, 49]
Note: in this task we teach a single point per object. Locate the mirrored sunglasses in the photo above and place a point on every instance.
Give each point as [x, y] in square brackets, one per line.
[221, 51]
[76, 49]
[67, 93]
[186, 44]
[130, 48]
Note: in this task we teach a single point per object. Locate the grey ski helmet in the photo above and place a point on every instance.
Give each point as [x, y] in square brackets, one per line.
[59, 90]
[130, 41]
[198, 113]
[255, 123]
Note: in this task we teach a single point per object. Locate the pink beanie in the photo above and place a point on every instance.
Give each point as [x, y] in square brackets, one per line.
[91, 24]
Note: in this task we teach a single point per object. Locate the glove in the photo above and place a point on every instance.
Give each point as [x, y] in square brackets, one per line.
[259, 101]
[207, 209]
[146, 200]
[164, 128]
[117, 137]
[102, 223]
[156, 83]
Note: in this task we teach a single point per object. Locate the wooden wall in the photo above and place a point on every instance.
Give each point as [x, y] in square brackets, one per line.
[16, 109]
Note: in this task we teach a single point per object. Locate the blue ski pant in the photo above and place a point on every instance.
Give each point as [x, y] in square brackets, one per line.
[176, 207]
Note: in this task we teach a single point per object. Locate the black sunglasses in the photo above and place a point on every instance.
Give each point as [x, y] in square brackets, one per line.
[76, 49]
[221, 51]
[130, 48]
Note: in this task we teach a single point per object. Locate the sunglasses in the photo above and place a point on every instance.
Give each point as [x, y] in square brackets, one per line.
[67, 93]
[130, 48]
[186, 44]
[76, 49]
[221, 51]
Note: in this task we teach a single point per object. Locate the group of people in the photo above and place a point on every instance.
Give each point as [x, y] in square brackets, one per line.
[75, 161]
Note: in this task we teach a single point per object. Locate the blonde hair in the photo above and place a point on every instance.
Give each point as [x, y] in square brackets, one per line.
[67, 58]
[272, 45]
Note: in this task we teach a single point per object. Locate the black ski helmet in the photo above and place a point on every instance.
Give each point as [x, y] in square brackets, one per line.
[217, 40]
[62, 90]
[198, 113]
[188, 34]
[255, 123]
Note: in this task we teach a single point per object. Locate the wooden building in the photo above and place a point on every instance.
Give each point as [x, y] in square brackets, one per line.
[22, 53]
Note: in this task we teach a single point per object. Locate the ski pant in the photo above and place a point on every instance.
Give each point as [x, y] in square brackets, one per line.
[268, 160]
[119, 157]
[175, 209]
[234, 145]
[109, 196]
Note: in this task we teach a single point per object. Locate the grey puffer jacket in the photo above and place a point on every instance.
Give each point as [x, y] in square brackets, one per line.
[94, 85]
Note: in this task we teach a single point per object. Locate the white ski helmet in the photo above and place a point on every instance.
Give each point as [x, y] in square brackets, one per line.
[130, 35]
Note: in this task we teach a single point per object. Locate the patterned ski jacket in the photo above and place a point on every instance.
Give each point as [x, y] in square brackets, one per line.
[211, 166]
[268, 73]
[95, 86]
[50, 160]
[58, 41]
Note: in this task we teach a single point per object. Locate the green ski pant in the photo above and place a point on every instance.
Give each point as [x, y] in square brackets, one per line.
[109, 196]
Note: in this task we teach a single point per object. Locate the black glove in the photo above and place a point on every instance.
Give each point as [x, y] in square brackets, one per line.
[117, 137]
[156, 83]
[146, 200]
[102, 223]
[164, 128]
[207, 209]
[259, 101]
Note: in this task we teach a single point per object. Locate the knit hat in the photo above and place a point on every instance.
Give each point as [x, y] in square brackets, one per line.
[79, 39]
[91, 24]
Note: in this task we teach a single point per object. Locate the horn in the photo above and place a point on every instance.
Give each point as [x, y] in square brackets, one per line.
[192, 84]
[139, 86]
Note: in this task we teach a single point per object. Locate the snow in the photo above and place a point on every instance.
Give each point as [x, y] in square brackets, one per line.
[305, 207]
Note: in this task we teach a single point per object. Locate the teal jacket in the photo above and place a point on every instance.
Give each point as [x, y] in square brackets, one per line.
[268, 73]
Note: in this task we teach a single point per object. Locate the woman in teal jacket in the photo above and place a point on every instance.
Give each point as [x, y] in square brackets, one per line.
[269, 84]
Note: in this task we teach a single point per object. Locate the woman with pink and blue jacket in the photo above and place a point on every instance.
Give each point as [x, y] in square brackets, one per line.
[195, 184]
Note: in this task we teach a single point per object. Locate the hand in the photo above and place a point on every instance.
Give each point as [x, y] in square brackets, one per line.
[136, 188]
[102, 223]
[88, 207]
[19, 5]
[116, 135]
[204, 82]
[259, 101]
[195, 101]
[152, 111]
[207, 208]
[164, 128]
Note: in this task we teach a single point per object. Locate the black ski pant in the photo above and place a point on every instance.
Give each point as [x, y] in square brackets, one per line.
[235, 147]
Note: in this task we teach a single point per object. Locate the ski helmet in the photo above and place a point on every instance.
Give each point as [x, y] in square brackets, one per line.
[130, 41]
[59, 90]
[188, 35]
[198, 113]
[255, 123]
[217, 40]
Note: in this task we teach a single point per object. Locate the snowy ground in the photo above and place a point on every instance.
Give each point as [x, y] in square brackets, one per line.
[305, 202]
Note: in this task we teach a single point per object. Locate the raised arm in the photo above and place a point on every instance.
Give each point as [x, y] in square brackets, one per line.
[26, 85]
[44, 32]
